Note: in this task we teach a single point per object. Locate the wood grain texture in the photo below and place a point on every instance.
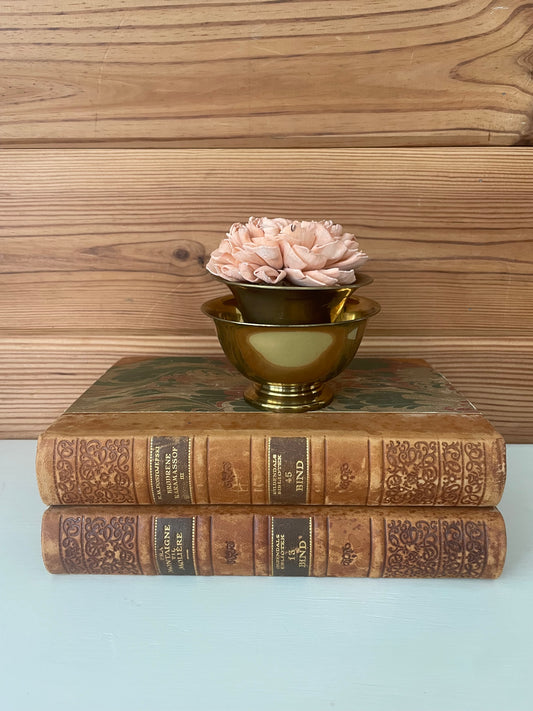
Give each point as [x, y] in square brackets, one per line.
[102, 255]
[262, 73]
[43, 372]
[113, 241]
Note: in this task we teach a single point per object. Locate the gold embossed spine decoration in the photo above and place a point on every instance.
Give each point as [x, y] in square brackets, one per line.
[347, 470]
[89, 470]
[228, 463]
[232, 545]
[425, 542]
[344, 462]
[355, 537]
[95, 543]
[376, 445]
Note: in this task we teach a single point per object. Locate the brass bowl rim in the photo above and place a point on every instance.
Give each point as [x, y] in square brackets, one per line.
[361, 279]
[369, 308]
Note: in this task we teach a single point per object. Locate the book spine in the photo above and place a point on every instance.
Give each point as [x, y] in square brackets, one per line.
[372, 542]
[252, 468]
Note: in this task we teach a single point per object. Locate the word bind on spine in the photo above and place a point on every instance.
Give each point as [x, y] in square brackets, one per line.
[177, 431]
[341, 541]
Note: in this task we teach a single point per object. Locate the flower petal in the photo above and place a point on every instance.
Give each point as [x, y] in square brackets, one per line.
[254, 229]
[291, 258]
[342, 276]
[246, 270]
[300, 233]
[269, 275]
[312, 278]
[334, 230]
[312, 259]
[304, 252]
[272, 228]
[225, 271]
[331, 252]
[352, 261]
[323, 235]
[270, 254]
[249, 255]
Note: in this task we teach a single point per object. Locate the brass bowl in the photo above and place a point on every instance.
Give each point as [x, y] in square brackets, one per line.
[289, 304]
[290, 364]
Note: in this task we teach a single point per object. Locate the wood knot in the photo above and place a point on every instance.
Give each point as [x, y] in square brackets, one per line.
[189, 258]
[182, 254]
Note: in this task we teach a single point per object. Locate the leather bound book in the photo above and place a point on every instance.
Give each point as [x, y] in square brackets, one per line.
[395, 542]
[177, 431]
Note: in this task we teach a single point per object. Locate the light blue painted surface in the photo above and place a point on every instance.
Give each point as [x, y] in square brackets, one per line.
[131, 643]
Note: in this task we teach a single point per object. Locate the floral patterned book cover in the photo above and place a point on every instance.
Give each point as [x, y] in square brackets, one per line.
[211, 384]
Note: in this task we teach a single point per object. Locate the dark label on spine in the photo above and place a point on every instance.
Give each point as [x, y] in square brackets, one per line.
[170, 470]
[174, 545]
[288, 469]
[291, 546]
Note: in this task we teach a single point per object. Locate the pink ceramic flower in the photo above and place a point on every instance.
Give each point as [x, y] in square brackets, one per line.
[272, 250]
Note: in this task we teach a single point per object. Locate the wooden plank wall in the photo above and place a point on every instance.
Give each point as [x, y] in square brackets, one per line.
[132, 136]
[259, 73]
[262, 73]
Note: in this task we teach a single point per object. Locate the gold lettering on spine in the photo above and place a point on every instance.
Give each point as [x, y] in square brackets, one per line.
[175, 545]
[278, 549]
[169, 473]
[166, 554]
[291, 546]
[288, 465]
[300, 475]
[271, 471]
[170, 460]
[154, 465]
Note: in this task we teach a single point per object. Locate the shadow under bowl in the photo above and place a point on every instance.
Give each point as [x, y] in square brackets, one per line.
[290, 364]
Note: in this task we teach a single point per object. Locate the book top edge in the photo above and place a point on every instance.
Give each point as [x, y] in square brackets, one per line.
[210, 384]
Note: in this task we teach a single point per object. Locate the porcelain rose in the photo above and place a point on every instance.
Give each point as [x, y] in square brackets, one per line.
[296, 252]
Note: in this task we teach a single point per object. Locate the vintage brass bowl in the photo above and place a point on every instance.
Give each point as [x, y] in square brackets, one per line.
[290, 364]
[286, 304]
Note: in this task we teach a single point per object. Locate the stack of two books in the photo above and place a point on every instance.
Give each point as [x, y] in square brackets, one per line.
[161, 468]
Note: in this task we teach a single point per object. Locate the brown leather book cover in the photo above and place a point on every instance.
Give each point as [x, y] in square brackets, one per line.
[177, 431]
[338, 541]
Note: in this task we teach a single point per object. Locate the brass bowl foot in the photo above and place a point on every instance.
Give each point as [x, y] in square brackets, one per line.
[278, 397]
